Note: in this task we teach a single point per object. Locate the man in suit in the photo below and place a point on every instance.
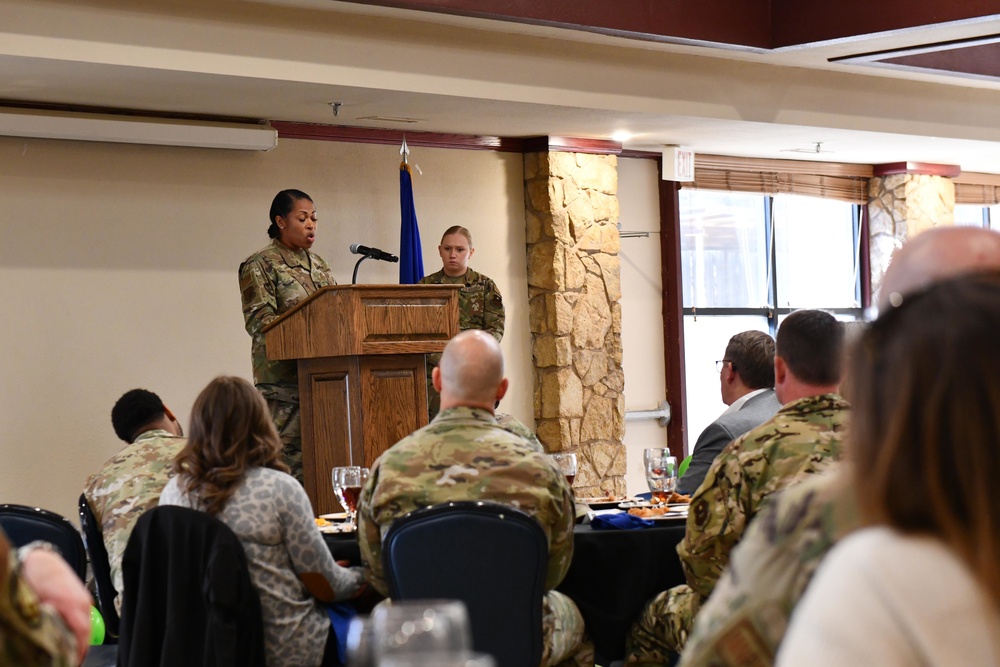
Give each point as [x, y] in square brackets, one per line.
[747, 382]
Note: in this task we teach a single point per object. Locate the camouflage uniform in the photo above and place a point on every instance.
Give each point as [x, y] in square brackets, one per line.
[126, 486]
[513, 424]
[480, 306]
[31, 634]
[803, 437]
[744, 621]
[464, 455]
[272, 281]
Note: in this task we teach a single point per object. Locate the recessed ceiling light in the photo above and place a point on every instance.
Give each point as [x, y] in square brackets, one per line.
[621, 135]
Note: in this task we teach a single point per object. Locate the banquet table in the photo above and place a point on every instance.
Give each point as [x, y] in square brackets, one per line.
[614, 572]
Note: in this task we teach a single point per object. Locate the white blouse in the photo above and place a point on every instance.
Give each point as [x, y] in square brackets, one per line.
[886, 599]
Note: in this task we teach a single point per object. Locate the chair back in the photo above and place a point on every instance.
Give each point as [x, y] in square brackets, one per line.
[491, 556]
[188, 597]
[24, 524]
[100, 566]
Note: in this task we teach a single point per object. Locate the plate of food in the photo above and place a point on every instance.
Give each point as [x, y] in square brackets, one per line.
[326, 526]
[636, 502]
[659, 512]
[602, 502]
[336, 516]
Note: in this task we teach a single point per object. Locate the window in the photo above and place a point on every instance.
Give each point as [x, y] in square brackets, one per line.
[747, 261]
[973, 215]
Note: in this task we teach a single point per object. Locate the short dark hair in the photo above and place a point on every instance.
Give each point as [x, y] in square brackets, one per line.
[135, 409]
[811, 343]
[751, 354]
[282, 205]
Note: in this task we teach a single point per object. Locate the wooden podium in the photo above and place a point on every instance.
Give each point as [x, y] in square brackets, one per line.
[362, 384]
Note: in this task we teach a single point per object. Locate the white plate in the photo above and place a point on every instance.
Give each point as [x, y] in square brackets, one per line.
[337, 528]
[668, 516]
[635, 502]
[336, 516]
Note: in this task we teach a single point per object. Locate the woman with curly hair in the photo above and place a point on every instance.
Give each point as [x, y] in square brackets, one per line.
[232, 468]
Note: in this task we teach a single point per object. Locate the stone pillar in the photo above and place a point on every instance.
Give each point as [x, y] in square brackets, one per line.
[574, 285]
[900, 206]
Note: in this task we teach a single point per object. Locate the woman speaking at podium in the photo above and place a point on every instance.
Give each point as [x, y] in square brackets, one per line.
[272, 281]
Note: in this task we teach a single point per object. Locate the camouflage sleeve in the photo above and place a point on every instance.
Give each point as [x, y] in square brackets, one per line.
[260, 305]
[493, 311]
[715, 522]
[31, 634]
[370, 534]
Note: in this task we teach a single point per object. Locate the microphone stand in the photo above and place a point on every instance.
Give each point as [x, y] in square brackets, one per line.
[354, 280]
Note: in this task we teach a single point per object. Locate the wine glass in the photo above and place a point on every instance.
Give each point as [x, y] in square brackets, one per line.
[661, 473]
[408, 627]
[337, 476]
[566, 461]
[351, 479]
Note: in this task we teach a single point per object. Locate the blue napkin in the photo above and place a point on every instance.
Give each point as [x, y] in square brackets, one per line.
[340, 614]
[621, 520]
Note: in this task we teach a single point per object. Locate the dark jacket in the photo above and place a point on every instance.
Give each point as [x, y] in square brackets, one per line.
[188, 597]
[721, 432]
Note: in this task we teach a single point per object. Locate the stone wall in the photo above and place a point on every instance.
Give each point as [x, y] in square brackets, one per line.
[899, 207]
[574, 285]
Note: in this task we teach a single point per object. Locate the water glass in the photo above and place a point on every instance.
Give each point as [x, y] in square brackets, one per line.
[661, 473]
[461, 659]
[407, 627]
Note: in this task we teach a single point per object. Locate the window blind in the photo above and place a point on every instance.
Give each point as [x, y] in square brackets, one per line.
[845, 182]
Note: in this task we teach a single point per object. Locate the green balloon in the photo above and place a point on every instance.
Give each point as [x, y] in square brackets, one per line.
[96, 627]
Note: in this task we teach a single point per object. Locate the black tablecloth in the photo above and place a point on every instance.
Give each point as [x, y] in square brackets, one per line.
[614, 573]
[343, 546]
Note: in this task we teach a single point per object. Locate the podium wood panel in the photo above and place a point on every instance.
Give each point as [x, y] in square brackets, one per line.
[343, 320]
[353, 409]
[390, 388]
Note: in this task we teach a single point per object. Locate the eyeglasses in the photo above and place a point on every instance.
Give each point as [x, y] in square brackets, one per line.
[721, 363]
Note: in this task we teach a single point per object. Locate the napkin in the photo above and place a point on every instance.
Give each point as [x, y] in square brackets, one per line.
[340, 614]
[621, 520]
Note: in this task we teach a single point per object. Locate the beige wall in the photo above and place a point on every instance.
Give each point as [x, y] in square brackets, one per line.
[642, 319]
[118, 269]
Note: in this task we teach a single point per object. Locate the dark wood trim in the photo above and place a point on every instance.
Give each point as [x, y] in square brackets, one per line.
[571, 145]
[794, 22]
[737, 24]
[643, 155]
[673, 314]
[753, 25]
[922, 168]
[367, 135]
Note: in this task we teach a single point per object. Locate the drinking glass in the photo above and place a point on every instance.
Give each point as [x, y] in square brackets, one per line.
[566, 461]
[352, 478]
[661, 473]
[460, 659]
[409, 627]
[337, 476]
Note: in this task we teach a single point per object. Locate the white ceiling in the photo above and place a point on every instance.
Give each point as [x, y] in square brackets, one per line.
[287, 59]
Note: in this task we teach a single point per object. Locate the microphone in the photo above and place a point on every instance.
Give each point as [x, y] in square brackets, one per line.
[374, 253]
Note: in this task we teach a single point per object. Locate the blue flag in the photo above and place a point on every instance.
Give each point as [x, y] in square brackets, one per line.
[411, 257]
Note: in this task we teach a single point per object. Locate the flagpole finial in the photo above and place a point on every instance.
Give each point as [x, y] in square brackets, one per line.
[404, 150]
